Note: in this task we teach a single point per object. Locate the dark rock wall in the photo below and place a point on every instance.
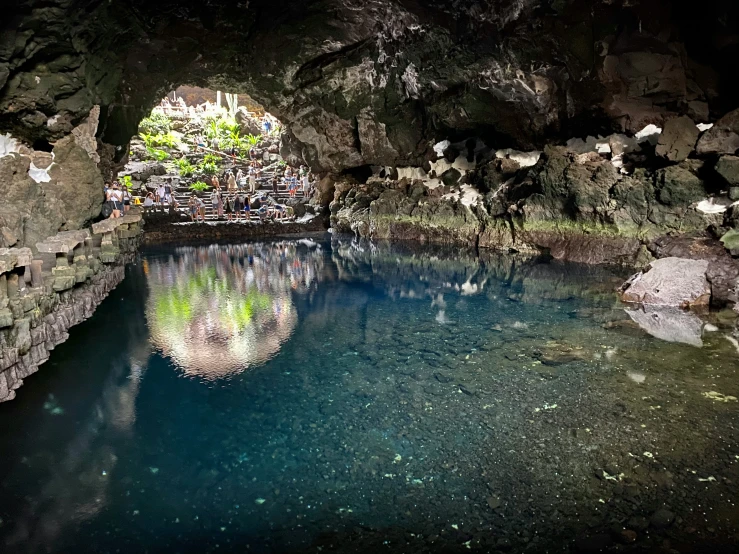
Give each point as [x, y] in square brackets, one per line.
[358, 83]
[372, 82]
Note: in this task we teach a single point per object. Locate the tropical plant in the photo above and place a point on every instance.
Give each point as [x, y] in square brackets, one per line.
[156, 123]
[185, 167]
[199, 186]
[158, 155]
[126, 181]
[209, 168]
[212, 158]
[253, 140]
[168, 139]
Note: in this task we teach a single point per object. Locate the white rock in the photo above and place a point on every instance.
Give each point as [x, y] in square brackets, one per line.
[524, 159]
[713, 205]
[704, 126]
[439, 147]
[603, 148]
[649, 134]
[8, 145]
[670, 281]
[412, 173]
[39, 175]
[462, 165]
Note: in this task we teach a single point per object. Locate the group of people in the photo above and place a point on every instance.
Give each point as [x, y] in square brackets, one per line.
[118, 198]
[237, 205]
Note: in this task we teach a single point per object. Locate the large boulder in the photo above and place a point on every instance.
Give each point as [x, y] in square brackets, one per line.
[728, 168]
[723, 137]
[722, 272]
[677, 139]
[671, 281]
[678, 186]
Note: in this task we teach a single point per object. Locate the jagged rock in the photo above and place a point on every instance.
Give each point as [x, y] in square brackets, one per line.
[728, 168]
[678, 139]
[678, 186]
[723, 137]
[248, 124]
[143, 171]
[722, 272]
[730, 240]
[670, 282]
[298, 206]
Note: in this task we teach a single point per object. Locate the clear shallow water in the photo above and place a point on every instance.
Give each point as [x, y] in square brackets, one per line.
[294, 396]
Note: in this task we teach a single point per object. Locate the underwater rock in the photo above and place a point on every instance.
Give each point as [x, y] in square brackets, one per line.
[669, 324]
[670, 282]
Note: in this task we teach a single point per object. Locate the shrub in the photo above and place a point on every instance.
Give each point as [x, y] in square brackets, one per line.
[209, 168]
[185, 167]
[199, 186]
[253, 140]
[158, 155]
[156, 124]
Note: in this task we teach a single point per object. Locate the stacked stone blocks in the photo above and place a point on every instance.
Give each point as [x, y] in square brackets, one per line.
[42, 295]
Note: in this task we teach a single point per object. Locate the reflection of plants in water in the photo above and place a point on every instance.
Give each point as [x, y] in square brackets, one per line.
[240, 311]
[216, 311]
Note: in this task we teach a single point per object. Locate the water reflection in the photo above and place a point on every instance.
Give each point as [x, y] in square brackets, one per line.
[444, 387]
[218, 310]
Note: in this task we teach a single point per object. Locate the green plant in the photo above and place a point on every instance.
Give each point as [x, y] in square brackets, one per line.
[199, 186]
[158, 155]
[253, 140]
[126, 181]
[185, 167]
[156, 123]
[209, 168]
[212, 159]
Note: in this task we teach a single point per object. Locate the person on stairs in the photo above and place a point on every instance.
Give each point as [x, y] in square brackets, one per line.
[231, 182]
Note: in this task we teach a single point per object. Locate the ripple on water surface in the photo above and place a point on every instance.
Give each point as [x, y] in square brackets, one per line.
[309, 396]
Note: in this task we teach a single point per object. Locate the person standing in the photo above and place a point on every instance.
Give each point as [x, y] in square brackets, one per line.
[116, 197]
[253, 182]
[238, 206]
[247, 208]
[201, 208]
[231, 182]
[229, 207]
[214, 202]
[126, 199]
[215, 182]
[193, 205]
[160, 195]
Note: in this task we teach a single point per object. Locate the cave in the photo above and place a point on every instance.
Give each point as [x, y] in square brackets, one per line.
[478, 291]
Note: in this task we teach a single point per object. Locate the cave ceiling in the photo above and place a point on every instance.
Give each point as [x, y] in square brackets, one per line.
[374, 82]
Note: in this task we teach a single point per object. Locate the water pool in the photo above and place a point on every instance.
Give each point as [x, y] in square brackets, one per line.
[305, 396]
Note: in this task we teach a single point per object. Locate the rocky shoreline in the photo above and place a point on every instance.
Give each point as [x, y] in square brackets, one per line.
[43, 295]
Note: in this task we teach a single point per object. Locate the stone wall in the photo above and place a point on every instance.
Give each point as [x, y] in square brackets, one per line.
[42, 295]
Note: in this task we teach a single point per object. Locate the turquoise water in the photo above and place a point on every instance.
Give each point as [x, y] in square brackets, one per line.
[306, 396]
